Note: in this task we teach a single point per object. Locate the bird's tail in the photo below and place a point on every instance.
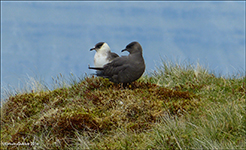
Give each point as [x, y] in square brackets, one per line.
[99, 71]
[95, 68]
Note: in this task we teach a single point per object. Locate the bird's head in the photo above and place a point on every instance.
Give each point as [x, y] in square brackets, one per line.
[133, 47]
[101, 46]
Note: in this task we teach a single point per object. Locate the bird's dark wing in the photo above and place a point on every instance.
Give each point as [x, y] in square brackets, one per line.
[119, 61]
[110, 70]
[114, 55]
[117, 65]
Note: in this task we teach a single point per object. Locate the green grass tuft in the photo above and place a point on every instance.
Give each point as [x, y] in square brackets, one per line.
[178, 106]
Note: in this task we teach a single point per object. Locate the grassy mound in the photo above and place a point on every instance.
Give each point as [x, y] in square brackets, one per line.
[177, 107]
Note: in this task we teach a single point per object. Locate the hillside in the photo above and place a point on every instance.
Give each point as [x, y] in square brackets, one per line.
[174, 107]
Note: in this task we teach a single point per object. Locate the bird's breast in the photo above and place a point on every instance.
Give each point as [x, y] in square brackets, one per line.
[100, 60]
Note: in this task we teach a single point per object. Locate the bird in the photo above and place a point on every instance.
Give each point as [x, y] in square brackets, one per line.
[124, 69]
[103, 54]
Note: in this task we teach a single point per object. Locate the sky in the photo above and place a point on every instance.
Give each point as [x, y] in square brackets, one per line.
[45, 39]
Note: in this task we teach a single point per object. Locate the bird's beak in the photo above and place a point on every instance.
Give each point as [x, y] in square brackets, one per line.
[92, 49]
[124, 50]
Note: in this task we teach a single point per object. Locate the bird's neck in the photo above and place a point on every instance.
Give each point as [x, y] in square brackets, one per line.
[104, 52]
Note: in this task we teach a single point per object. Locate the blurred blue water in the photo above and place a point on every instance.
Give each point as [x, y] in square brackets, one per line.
[45, 39]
